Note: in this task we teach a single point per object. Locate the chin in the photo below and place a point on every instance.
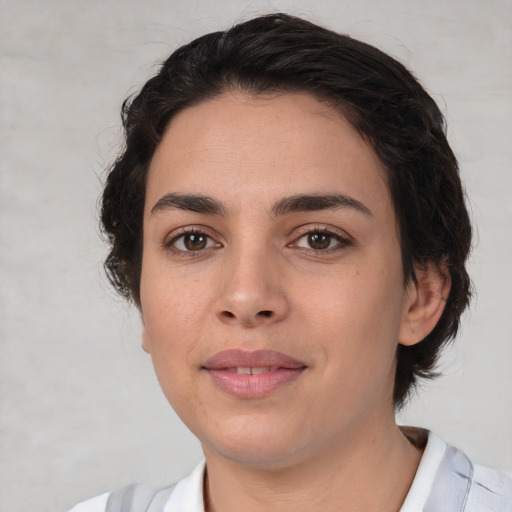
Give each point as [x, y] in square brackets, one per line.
[263, 446]
[258, 457]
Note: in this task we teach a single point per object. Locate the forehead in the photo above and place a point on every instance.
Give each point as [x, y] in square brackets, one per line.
[242, 148]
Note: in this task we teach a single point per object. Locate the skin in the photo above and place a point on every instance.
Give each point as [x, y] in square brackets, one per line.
[328, 440]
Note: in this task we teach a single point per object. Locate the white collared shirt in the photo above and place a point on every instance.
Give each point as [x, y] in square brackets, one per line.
[488, 489]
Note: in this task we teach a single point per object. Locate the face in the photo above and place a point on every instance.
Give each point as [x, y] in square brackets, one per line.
[272, 291]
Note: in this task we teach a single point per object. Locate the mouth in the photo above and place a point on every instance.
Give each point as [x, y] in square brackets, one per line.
[252, 374]
[260, 360]
[247, 370]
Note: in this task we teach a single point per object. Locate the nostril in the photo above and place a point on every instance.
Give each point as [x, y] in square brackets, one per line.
[246, 319]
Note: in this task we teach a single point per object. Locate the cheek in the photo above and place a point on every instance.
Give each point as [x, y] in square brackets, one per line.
[170, 326]
[357, 315]
[173, 311]
[171, 301]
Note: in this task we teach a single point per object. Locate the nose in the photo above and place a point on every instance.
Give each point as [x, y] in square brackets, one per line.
[251, 291]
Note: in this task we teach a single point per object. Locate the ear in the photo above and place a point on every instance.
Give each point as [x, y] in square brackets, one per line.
[145, 339]
[425, 301]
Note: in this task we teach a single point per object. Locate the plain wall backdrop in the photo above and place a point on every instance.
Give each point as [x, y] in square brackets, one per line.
[80, 409]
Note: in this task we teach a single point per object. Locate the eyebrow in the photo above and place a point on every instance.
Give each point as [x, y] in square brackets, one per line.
[199, 203]
[313, 202]
[190, 202]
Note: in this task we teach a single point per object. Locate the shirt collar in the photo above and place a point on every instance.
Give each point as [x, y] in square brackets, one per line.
[187, 496]
[188, 493]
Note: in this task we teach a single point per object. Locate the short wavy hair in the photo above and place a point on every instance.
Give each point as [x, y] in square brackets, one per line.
[379, 97]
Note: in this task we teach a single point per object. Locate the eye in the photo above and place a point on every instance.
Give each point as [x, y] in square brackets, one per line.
[192, 241]
[318, 241]
[322, 240]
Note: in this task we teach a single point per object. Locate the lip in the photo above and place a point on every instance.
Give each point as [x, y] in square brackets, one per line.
[280, 370]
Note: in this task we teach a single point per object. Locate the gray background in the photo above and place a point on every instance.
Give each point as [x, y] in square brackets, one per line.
[81, 412]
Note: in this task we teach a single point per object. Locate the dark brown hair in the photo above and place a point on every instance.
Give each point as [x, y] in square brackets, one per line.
[377, 94]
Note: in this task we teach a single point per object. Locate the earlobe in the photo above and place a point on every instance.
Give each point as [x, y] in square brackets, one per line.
[426, 299]
[145, 340]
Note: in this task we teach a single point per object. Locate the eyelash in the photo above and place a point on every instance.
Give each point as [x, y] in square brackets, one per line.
[169, 244]
[342, 242]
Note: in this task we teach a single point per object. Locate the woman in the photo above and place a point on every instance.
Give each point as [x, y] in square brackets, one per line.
[289, 219]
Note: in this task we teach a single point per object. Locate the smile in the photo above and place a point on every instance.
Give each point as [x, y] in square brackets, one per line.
[255, 374]
[246, 370]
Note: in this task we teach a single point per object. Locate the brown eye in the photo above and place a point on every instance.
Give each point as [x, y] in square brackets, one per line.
[319, 241]
[322, 241]
[195, 241]
[191, 242]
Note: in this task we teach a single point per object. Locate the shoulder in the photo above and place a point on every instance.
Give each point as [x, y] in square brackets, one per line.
[472, 487]
[490, 489]
[447, 480]
[96, 504]
[187, 494]
[134, 497]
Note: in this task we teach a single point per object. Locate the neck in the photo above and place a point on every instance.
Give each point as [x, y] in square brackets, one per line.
[370, 470]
